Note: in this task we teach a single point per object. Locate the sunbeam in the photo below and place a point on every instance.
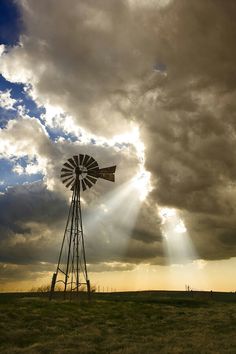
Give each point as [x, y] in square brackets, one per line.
[110, 222]
[142, 183]
[182, 256]
[178, 245]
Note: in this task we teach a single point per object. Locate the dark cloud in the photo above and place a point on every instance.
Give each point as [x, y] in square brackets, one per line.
[213, 235]
[148, 225]
[27, 213]
[17, 273]
[30, 203]
[33, 219]
[188, 122]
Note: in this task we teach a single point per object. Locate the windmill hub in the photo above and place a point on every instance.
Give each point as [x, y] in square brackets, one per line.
[79, 170]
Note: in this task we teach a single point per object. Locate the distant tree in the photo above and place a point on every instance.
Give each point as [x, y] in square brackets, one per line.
[45, 288]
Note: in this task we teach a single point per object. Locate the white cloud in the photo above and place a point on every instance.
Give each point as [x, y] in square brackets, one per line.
[2, 48]
[18, 169]
[29, 169]
[6, 101]
[32, 169]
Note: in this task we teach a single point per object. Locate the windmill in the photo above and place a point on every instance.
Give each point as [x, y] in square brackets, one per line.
[78, 173]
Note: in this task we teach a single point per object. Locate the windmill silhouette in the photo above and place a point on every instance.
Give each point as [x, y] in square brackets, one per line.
[78, 173]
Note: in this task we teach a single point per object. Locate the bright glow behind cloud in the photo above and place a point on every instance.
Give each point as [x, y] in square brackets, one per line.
[142, 184]
[179, 247]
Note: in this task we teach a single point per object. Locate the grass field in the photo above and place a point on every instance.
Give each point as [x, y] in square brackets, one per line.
[136, 322]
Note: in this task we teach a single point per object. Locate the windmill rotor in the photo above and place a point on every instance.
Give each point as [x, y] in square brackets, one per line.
[83, 172]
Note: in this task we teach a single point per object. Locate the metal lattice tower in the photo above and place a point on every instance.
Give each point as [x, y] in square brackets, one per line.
[79, 172]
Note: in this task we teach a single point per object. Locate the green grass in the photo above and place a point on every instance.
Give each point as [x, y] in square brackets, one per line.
[144, 322]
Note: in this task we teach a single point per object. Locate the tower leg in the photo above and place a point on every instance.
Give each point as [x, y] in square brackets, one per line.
[69, 264]
[88, 288]
[53, 283]
[72, 267]
[83, 251]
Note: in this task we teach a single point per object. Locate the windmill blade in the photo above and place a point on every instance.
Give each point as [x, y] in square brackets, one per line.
[68, 165]
[92, 165]
[111, 169]
[72, 162]
[65, 170]
[91, 179]
[81, 159]
[69, 183]
[89, 161]
[86, 159]
[75, 182]
[67, 179]
[108, 176]
[66, 174]
[76, 159]
[89, 184]
[94, 173]
[93, 169]
[83, 185]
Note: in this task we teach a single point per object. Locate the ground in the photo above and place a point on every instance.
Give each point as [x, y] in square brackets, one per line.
[119, 323]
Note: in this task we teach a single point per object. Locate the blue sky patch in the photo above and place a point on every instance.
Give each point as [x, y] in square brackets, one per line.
[17, 89]
[9, 178]
[20, 94]
[5, 116]
[10, 22]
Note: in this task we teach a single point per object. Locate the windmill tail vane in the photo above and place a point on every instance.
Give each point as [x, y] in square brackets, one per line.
[79, 172]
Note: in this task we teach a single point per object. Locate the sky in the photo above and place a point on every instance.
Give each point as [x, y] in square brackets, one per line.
[147, 85]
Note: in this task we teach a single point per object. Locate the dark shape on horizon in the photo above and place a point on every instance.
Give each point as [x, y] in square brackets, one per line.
[78, 173]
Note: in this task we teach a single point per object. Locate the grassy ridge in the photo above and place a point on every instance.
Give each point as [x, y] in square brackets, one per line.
[136, 322]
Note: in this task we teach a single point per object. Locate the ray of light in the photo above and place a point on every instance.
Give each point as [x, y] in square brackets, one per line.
[109, 224]
[180, 249]
[178, 245]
